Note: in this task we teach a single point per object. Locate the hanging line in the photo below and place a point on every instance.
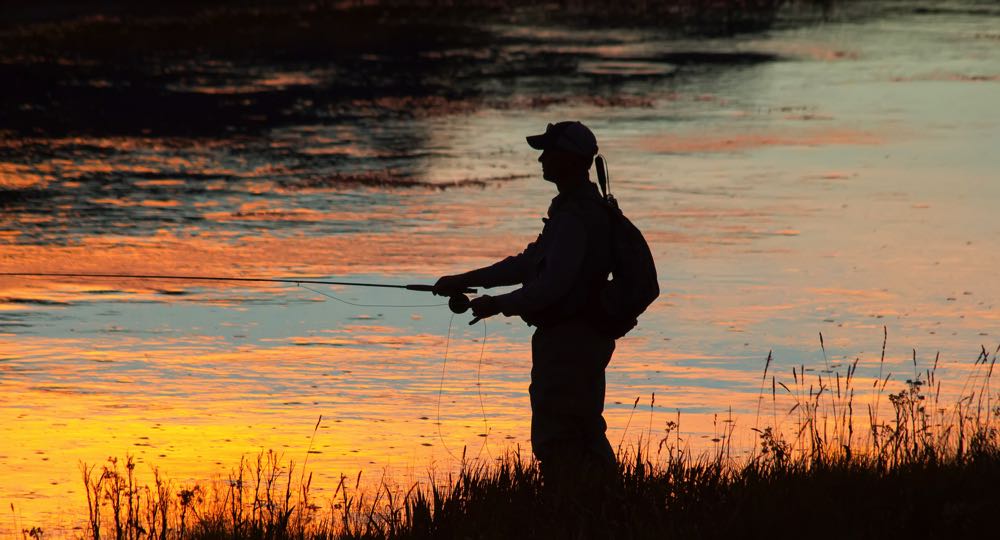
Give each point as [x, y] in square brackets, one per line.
[444, 368]
[482, 406]
[479, 390]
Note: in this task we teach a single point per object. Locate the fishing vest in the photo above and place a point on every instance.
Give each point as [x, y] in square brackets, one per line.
[586, 204]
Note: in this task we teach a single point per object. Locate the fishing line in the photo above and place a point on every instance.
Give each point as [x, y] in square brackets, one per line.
[479, 390]
[444, 367]
[444, 370]
[371, 305]
[482, 406]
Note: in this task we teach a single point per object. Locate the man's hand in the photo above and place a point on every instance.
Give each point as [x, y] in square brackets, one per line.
[449, 285]
[483, 307]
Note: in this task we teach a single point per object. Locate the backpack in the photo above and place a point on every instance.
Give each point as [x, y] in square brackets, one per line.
[633, 285]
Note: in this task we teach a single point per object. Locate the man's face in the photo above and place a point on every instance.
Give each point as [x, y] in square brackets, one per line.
[558, 164]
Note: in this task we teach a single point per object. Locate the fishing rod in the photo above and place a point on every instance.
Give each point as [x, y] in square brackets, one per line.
[458, 302]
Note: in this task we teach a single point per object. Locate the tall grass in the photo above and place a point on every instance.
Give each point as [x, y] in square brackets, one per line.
[844, 468]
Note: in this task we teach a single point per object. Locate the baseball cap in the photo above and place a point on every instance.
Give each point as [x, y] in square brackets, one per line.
[570, 136]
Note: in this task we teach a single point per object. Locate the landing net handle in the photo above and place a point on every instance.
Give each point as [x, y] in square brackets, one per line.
[604, 179]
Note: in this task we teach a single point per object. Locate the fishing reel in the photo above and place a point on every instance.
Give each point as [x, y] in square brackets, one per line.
[458, 303]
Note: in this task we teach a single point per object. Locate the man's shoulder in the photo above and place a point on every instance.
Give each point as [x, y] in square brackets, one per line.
[585, 207]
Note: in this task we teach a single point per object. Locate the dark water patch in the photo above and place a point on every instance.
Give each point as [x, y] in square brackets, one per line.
[76, 147]
[799, 14]
[245, 301]
[666, 64]
[389, 180]
[959, 9]
[545, 101]
[118, 405]
[17, 317]
[626, 68]
[117, 109]
[115, 330]
[686, 58]
[34, 302]
[13, 197]
[186, 174]
[244, 71]
[418, 103]
[219, 72]
[293, 30]
[309, 30]
[60, 389]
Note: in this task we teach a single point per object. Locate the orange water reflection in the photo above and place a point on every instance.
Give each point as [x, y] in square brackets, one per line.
[194, 405]
[774, 216]
[194, 399]
[732, 142]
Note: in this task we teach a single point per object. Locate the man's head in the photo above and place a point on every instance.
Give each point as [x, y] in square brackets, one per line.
[568, 150]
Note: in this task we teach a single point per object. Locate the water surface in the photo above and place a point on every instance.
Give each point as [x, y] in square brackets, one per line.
[837, 178]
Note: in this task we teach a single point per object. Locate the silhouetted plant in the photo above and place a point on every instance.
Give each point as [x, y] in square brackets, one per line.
[669, 493]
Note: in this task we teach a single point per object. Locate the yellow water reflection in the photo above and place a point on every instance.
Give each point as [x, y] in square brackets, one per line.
[193, 405]
[851, 203]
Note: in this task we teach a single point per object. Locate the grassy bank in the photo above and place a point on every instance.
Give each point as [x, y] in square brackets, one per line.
[914, 467]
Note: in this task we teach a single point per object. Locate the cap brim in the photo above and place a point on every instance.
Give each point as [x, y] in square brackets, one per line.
[538, 142]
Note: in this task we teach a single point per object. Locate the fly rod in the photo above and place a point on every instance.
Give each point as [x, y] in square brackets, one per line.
[457, 301]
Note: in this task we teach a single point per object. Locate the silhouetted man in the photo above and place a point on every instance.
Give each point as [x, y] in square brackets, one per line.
[560, 274]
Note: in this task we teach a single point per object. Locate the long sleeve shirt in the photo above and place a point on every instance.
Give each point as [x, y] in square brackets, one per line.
[550, 267]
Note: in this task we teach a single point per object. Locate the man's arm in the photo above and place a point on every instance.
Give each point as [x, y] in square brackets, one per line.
[563, 259]
[510, 271]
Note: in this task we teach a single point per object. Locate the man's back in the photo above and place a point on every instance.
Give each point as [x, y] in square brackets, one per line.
[576, 229]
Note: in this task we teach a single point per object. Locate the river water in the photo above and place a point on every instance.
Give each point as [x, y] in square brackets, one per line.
[836, 178]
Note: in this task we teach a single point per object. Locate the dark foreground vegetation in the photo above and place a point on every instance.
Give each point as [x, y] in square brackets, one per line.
[924, 470]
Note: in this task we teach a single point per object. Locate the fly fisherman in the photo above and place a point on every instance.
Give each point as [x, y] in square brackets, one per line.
[560, 274]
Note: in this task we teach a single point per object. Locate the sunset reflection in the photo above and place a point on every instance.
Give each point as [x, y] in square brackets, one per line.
[803, 192]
